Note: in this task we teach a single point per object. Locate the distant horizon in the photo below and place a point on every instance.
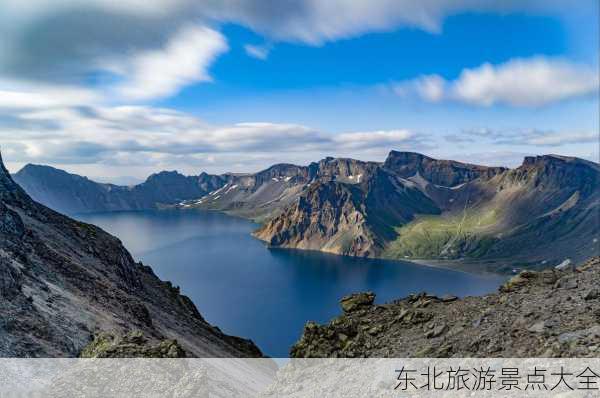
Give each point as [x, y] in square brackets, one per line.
[138, 180]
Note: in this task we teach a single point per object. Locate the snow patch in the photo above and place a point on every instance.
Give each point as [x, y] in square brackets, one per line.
[419, 180]
[357, 177]
[231, 188]
[219, 190]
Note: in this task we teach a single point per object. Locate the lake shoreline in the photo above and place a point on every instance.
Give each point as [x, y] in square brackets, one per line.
[243, 286]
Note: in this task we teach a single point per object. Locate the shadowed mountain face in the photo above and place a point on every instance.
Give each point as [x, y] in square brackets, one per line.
[266, 194]
[409, 207]
[415, 207]
[446, 173]
[71, 194]
[61, 281]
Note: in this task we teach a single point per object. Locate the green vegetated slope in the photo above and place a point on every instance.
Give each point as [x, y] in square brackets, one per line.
[547, 209]
[449, 236]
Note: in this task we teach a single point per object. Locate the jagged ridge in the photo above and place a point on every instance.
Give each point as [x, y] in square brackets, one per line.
[543, 211]
[409, 207]
[71, 194]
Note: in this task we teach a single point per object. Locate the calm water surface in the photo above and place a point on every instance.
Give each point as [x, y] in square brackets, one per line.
[266, 295]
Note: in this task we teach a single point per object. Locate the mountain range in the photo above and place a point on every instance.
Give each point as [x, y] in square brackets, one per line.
[410, 206]
[72, 194]
[62, 282]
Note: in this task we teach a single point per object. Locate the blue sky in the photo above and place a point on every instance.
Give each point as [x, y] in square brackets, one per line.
[467, 41]
[112, 90]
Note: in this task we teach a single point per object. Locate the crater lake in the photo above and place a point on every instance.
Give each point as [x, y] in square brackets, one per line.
[263, 294]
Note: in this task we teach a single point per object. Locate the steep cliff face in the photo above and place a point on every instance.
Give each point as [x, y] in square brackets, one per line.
[553, 313]
[329, 217]
[345, 170]
[411, 206]
[257, 196]
[62, 281]
[346, 218]
[447, 173]
[544, 211]
[265, 194]
[417, 207]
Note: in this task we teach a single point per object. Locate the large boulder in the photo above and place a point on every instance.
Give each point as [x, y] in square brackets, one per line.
[357, 301]
[131, 345]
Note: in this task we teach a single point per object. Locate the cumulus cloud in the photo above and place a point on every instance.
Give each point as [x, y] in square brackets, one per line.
[525, 82]
[431, 88]
[377, 139]
[158, 73]
[519, 82]
[68, 41]
[139, 135]
[26, 95]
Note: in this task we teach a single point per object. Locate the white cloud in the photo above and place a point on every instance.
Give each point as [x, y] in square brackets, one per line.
[136, 136]
[184, 60]
[67, 40]
[431, 88]
[525, 82]
[528, 137]
[370, 139]
[26, 95]
[519, 82]
[316, 21]
[259, 52]
[564, 138]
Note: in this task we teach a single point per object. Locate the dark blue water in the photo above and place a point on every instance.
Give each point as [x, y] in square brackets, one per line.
[266, 295]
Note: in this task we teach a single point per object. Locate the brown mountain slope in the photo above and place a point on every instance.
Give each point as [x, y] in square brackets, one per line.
[546, 210]
[348, 219]
[416, 207]
[61, 281]
[410, 207]
[263, 195]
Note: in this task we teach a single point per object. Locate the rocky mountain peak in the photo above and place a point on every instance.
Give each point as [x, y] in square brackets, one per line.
[165, 175]
[557, 161]
[559, 171]
[345, 169]
[402, 157]
[439, 172]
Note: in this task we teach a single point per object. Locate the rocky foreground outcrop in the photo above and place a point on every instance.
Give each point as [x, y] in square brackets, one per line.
[131, 345]
[552, 313]
[63, 281]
